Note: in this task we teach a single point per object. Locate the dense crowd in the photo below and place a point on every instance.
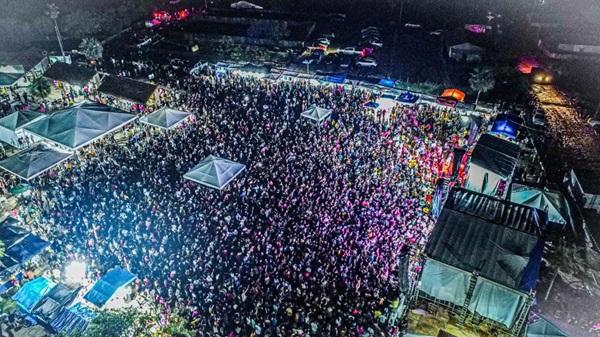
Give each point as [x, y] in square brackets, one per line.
[305, 243]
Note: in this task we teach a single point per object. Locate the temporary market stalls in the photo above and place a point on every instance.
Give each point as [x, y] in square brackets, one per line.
[453, 94]
[72, 320]
[317, 114]
[58, 298]
[551, 202]
[79, 125]
[11, 126]
[72, 78]
[128, 94]
[492, 165]
[34, 161]
[107, 287]
[215, 172]
[165, 118]
[484, 256]
[30, 294]
[407, 98]
[20, 246]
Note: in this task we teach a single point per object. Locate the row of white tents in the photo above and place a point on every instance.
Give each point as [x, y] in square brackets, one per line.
[62, 133]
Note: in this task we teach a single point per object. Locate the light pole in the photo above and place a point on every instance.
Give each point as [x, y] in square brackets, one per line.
[53, 13]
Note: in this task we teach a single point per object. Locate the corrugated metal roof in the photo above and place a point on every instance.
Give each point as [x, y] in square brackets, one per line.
[499, 239]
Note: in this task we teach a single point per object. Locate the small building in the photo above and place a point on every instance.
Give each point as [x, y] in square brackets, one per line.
[465, 46]
[72, 79]
[466, 51]
[128, 94]
[569, 44]
[20, 69]
[585, 187]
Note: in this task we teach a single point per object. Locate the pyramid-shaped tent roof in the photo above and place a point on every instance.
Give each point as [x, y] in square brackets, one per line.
[9, 74]
[19, 119]
[79, 125]
[165, 118]
[215, 172]
[316, 113]
[552, 202]
[34, 161]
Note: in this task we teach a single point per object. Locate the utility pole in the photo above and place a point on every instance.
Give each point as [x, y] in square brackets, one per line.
[53, 13]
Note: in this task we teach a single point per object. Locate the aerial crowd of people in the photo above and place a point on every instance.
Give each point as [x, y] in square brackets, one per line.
[306, 242]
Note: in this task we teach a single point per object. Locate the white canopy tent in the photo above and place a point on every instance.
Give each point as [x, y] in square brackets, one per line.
[215, 172]
[165, 118]
[317, 114]
[80, 125]
[34, 161]
[11, 126]
[552, 202]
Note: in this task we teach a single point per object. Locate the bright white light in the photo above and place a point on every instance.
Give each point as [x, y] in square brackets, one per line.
[75, 272]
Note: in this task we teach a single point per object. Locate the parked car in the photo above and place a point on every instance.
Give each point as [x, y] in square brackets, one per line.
[369, 29]
[367, 62]
[323, 41]
[539, 119]
[437, 32]
[349, 51]
[373, 42]
[412, 25]
[346, 61]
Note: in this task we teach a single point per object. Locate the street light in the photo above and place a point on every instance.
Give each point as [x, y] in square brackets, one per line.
[53, 13]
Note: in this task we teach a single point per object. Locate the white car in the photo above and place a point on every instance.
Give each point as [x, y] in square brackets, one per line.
[436, 32]
[374, 42]
[367, 62]
[369, 29]
[324, 41]
[349, 51]
[412, 25]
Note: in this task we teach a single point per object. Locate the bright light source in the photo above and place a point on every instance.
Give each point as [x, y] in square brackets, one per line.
[75, 272]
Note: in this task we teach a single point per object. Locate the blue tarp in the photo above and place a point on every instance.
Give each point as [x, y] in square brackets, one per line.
[28, 247]
[386, 82]
[107, 286]
[11, 232]
[72, 320]
[50, 306]
[335, 79]
[32, 292]
[506, 125]
[371, 105]
[408, 97]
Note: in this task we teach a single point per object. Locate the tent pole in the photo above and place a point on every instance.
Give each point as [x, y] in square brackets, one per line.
[551, 284]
